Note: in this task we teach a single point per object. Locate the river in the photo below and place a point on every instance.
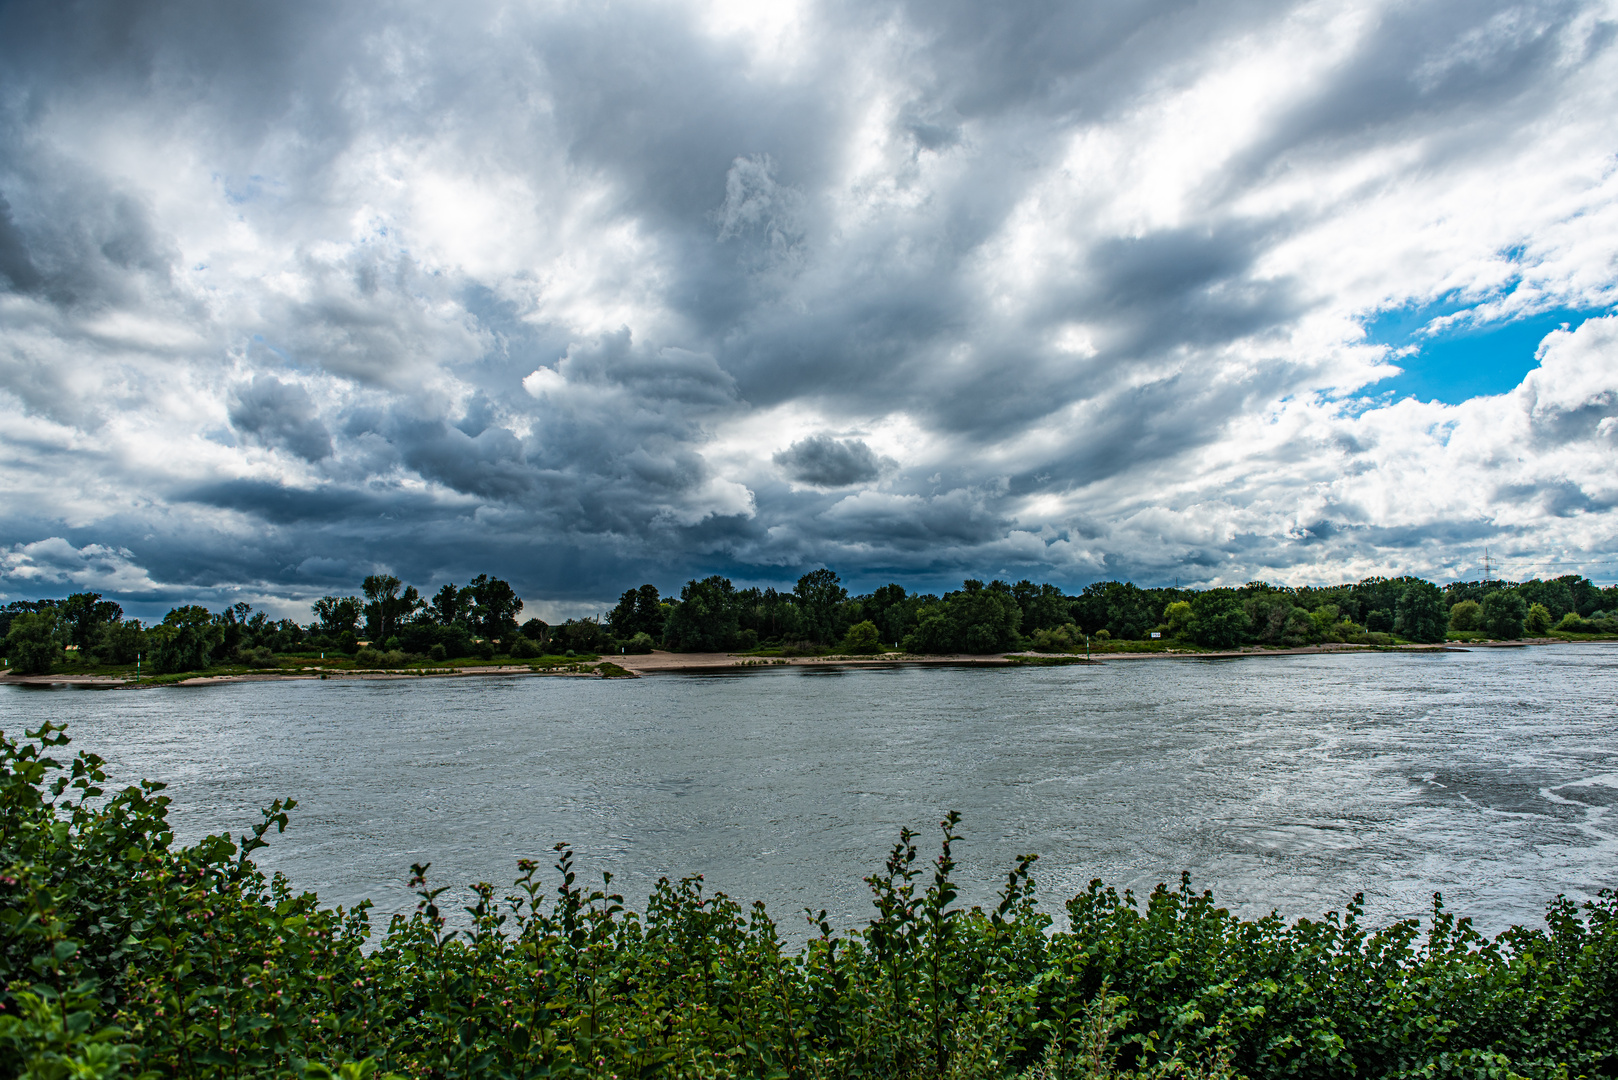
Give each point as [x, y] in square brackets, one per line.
[1285, 782]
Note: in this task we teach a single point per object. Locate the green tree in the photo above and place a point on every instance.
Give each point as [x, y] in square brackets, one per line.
[862, 637]
[819, 594]
[120, 642]
[338, 615]
[34, 641]
[705, 619]
[386, 607]
[583, 636]
[1121, 608]
[1555, 596]
[1043, 607]
[1328, 622]
[450, 606]
[1218, 620]
[184, 640]
[1501, 615]
[976, 619]
[893, 611]
[1539, 619]
[649, 611]
[232, 623]
[1464, 616]
[1419, 613]
[638, 611]
[1177, 619]
[496, 605]
[622, 620]
[84, 615]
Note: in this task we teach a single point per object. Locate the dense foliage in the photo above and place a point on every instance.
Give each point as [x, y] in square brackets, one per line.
[122, 953]
[479, 620]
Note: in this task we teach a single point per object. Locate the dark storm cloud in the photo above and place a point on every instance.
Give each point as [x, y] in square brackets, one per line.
[280, 414]
[15, 264]
[827, 462]
[545, 290]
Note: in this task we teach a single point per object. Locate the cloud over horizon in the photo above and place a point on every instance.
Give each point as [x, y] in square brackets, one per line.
[591, 296]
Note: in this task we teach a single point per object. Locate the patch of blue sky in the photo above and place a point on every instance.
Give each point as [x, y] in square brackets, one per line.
[1467, 359]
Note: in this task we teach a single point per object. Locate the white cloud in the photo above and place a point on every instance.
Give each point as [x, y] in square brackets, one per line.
[54, 562]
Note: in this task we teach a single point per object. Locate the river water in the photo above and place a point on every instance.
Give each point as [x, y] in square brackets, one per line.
[1279, 782]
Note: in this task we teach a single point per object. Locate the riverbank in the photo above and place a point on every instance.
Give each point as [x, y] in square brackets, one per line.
[660, 662]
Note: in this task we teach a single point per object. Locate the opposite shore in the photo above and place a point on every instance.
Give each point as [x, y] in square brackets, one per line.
[662, 662]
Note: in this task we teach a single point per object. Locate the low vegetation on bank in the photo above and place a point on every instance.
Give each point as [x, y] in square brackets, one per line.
[124, 954]
[393, 626]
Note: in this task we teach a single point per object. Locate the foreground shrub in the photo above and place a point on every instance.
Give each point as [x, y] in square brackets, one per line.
[123, 954]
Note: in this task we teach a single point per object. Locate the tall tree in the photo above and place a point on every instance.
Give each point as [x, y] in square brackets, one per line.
[34, 641]
[649, 613]
[1419, 613]
[974, 619]
[338, 614]
[386, 606]
[1043, 606]
[819, 593]
[451, 606]
[622, 620]
[496, 604]
[185, 639]
[85, 614]
[705, 619]
[1218, 619]
[1502, 615]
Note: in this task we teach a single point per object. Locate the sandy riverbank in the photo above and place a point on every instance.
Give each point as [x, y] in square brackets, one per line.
[663, 662]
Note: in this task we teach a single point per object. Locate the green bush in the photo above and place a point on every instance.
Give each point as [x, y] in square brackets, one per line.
[524, 649]
[1465, 616]
[863, 638]
[123, 953]
[1062, 638]
[256, 657]
[1597, 623]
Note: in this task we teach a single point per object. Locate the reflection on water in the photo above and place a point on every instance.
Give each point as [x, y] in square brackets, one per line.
[1285, 782]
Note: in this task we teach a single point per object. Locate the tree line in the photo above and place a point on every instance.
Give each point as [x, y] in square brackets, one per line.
[473, 620]
[400, 624]
[711, 614]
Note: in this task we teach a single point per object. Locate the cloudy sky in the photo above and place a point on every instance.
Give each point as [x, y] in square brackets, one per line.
[590, 294]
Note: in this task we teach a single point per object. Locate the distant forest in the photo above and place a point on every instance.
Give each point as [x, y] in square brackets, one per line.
[392, 622]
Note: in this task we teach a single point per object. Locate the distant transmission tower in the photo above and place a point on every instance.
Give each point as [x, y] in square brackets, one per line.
[1488, 569]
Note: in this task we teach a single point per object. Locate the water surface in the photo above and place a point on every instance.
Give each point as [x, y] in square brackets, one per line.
[1279, 782]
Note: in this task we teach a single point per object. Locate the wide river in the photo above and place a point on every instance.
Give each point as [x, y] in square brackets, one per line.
[1279, 782]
